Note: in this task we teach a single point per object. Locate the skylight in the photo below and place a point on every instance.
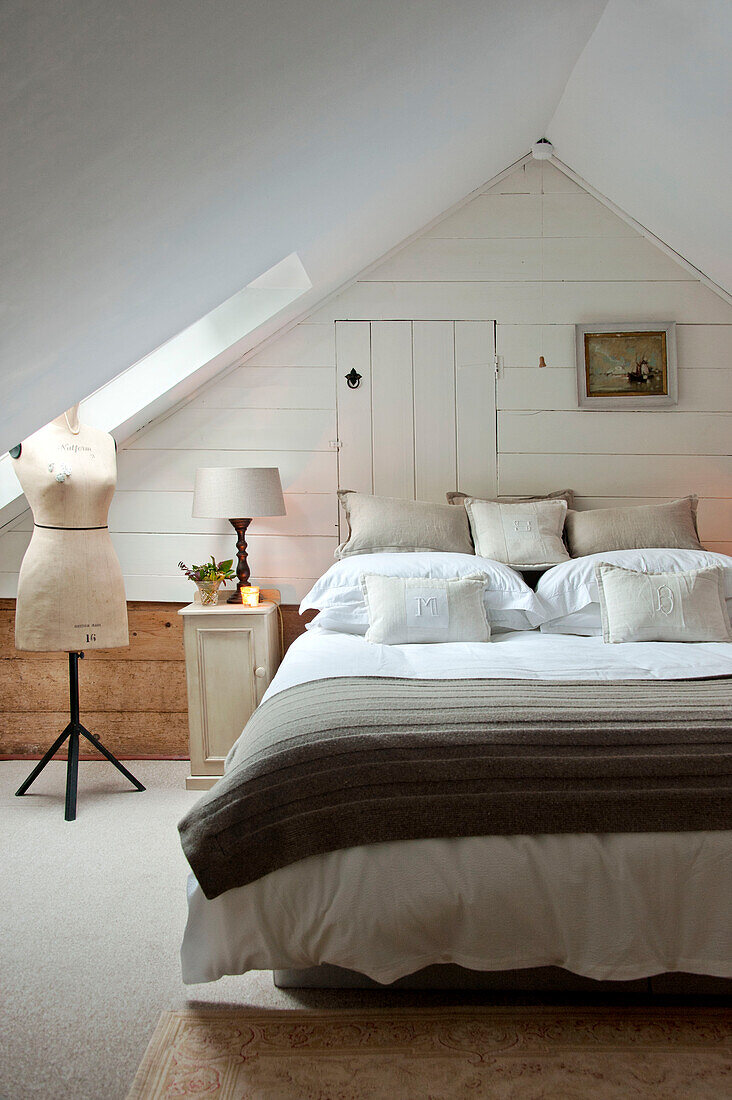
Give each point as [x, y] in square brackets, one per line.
[122, 400]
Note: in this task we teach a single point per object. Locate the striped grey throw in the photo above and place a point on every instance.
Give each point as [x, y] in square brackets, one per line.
[356, 760]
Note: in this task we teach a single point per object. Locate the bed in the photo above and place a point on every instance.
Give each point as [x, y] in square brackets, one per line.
[606, 905]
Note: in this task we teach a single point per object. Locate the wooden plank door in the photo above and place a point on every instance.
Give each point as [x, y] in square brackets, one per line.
[423, 418]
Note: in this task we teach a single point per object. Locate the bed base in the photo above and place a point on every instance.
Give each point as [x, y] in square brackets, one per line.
[544, 979]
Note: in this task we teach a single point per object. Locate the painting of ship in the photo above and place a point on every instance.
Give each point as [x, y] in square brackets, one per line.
[625, 364]
[642, 373]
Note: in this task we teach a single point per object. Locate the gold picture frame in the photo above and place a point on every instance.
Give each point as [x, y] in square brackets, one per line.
[627, 366]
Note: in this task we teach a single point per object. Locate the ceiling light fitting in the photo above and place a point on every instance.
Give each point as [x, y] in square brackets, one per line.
[542, 150]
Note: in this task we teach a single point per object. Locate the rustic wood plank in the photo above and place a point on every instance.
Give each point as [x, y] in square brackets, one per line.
[293, 624]
[133, 698]
[146, 686]
[127, 735]
[156, 634]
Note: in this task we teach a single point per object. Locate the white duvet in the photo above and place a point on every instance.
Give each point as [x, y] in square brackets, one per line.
[614, 906]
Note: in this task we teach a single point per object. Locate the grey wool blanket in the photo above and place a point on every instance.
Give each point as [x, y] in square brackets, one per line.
[345, 761]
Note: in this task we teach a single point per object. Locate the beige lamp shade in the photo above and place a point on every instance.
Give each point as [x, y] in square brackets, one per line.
[235, 492]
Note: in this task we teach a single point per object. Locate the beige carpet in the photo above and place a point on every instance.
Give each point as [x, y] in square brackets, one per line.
[91, 921]
[442, 1054]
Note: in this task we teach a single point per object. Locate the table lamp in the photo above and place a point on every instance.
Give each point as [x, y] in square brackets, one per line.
[223, 492]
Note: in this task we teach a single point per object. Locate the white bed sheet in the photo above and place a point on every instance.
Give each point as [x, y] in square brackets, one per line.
[521, 654]
[614, 906]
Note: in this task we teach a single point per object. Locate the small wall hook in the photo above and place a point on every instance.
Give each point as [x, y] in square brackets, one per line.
[353, 378]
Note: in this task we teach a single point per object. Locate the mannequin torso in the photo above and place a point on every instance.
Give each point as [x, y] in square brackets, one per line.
[70, 589]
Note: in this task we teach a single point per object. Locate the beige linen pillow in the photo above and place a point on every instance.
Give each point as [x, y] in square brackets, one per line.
[401, 526]
[662, 607]
[560, 494]
[525, 536]
[641, 527]
[406, 610]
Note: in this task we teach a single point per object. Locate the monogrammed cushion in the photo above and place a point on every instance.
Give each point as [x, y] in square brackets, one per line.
[525, 536]
[662, 607]
[404, 610]
[378, 524]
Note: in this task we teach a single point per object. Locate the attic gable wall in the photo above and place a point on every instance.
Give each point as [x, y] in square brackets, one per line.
[536, 254]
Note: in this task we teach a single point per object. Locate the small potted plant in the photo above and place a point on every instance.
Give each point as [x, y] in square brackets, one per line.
[209, 577]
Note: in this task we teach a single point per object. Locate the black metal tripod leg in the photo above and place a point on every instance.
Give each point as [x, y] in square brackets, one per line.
[42, 763]
[111, 758]
[72, 774]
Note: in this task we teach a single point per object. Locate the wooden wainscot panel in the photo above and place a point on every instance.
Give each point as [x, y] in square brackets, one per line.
[293, 625]
[134, 698]
[130, 735]
[156, 634]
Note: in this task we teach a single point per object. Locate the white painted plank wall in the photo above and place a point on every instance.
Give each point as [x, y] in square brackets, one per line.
[435, 428]
[392, 400]
[536, 255]
[425, 398]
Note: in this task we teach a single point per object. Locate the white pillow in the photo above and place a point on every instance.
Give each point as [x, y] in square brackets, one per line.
[662, 607]
[587, 621]
[571, 586]
[508, 600]
[526, 536]
[408, 610]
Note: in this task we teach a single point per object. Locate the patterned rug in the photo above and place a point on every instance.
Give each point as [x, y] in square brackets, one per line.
[526, 1053]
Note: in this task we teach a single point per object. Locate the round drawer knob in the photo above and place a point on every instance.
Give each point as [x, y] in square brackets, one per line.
[260, 672]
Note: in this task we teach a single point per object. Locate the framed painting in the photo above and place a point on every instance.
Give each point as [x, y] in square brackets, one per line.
[626, 366]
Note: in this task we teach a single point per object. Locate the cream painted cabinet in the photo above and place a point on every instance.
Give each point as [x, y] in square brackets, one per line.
[232, 653]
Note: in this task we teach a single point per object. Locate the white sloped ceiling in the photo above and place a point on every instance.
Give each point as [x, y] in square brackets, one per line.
[646, 118]
[158, 155]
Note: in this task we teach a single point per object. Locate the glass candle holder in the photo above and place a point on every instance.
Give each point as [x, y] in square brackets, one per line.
[250, 596]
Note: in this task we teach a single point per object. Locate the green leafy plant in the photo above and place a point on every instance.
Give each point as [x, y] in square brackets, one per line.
[210, 571]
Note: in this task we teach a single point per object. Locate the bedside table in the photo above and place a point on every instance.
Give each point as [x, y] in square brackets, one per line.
[232, 653]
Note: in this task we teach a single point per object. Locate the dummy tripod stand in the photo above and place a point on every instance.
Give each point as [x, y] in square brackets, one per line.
[73, 731]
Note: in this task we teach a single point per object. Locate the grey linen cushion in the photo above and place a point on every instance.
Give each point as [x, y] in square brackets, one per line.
[635, 528]
[525, 536]
[560, 494]
[662, 607]
[404, 610]
[401, 526]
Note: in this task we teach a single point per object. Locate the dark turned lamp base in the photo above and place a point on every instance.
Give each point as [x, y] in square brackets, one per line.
[242, 565]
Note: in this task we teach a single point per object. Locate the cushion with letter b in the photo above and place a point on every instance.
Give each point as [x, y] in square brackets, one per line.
[405, 610]
[662, 607]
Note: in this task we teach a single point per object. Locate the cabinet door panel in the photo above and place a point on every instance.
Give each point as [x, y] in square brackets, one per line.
[226, 662]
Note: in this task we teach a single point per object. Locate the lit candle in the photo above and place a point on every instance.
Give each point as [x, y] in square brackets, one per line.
[250, 596]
